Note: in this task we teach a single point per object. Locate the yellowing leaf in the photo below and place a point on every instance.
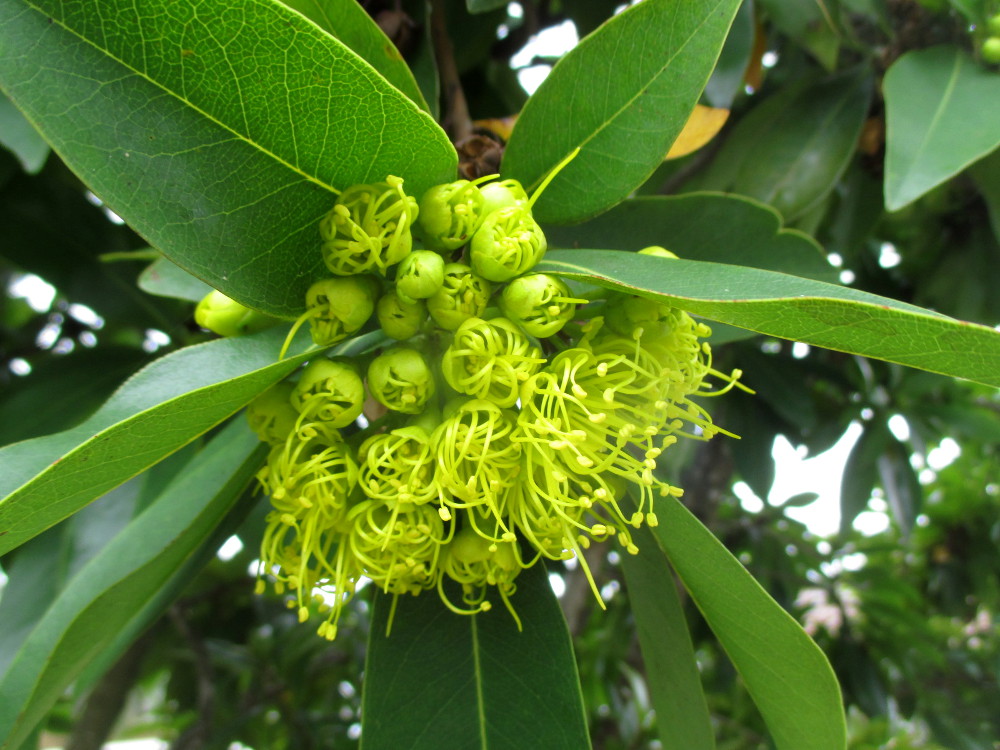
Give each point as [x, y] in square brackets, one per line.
[700, 128]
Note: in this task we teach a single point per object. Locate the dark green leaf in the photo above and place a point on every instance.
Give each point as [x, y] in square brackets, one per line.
[986, 174]
[164, 278]
[682, 715]
[809, 24]
[790, 150]
[902, 488]
[941, 114]
[213, 167]
[786, 674]
[702, 226]
[163, 407]
[421, 55]
[789, 307]
[117, 582]
[20, 138]
[861, 471]
[622, 95]
[350, 23]
[727, 78]
[472, 681]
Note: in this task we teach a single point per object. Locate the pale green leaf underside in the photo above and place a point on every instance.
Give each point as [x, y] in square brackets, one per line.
[161, 408]
[795, 308]
[622, 95]
[788, 677]
[216, 130]
[102, 598]
[473, 682]
[942, 114]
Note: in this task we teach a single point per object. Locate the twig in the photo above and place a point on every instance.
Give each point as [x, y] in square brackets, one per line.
[456, 110]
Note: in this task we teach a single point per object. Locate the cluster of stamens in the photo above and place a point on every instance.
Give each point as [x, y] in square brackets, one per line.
[520, 420]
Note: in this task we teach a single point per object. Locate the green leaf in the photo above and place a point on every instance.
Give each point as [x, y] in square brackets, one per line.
[232, 125]
[791, 150]
[794, 308]
[727, 78]
[347, 21]
[164, 278]
[472, 681]
[116, 583]
[860, 472]
[941, 114]
[20, 138]
[808, 22]
[702, 226]
[786, 674]
[986, 174]
[622, 95]
[682, 716]
[163, 407]
[902, 488]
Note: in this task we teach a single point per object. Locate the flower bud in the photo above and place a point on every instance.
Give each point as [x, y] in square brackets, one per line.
[368, 228]
[508, 243]
[329, 391]
[419, 275]
[398, 319]
[539, 303]
[463, 295]
[628, 315]
[227, 317]
[339, 307]
[659, 252]
[400, 379]
[501, 194]
[271, 415]
[450, 214]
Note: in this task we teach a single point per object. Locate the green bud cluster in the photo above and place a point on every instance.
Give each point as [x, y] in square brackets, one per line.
[505, 422]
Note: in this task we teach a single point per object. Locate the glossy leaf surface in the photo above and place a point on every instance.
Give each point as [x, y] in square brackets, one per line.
[800, 309]
[121, 578]
[205, 160]
[164, 406]
[473, 681]
[942, 109]
[701, 226]
[786, 674]
[622, 95]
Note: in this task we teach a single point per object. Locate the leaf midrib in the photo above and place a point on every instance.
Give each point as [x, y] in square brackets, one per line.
[932, 127]
[208, 116]
[641, 90]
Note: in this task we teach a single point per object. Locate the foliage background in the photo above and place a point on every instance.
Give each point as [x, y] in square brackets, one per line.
[822, 97]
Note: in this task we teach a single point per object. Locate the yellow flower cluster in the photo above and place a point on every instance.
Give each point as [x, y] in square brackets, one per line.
[508, 428]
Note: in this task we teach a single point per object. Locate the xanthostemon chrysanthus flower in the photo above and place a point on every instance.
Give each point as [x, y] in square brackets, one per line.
[369, 228]
[478, 462]
[490, 359]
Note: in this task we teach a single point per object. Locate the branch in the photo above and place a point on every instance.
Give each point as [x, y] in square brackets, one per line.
[456, 118]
